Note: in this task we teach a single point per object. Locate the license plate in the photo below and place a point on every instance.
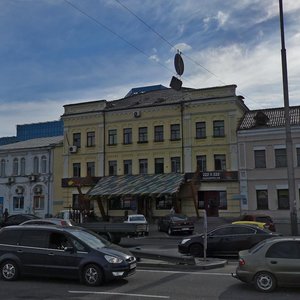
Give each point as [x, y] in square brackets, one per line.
[185, 229]
[132, 266]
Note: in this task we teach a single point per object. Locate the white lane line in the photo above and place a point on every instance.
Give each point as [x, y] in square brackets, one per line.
[120, 294]
[184, 272]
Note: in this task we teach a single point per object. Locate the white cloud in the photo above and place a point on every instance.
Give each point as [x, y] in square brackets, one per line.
[183, 47]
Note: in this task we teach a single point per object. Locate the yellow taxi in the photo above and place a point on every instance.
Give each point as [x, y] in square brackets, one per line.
[258, 224]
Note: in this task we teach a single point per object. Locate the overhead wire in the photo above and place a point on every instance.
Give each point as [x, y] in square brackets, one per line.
[173, 46]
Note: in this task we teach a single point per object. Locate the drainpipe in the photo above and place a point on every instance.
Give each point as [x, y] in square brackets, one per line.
[182, 135]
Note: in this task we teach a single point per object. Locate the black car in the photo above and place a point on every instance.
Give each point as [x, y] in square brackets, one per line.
[225, 240]
[17, 219]
[175, 223]
[61, 251]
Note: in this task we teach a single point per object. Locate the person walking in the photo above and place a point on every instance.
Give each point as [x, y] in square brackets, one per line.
[5, 215]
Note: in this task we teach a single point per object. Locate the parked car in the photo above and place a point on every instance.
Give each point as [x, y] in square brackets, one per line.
[138, 219]
[17, 219]
[272, 262]
[50, 221]
[225, 240]
[260, 218]
[172, 223]
[61, 251]
[255, 223]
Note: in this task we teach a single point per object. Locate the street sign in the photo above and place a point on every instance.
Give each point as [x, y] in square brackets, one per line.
[178, 63]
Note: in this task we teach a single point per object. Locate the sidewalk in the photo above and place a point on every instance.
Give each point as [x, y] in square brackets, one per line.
[149, 257]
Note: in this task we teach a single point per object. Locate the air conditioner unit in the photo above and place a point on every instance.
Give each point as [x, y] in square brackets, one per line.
[137, 114]
[19, 190]
[11, 179]
[32, 178]
[73, 149]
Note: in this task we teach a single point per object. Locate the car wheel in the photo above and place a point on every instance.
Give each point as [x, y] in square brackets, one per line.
[9, 270]
[264, 282]
[170, 232]
[92, 275]
[196, 250]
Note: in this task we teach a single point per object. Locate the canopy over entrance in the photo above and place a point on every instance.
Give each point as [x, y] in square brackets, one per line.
[151, 185]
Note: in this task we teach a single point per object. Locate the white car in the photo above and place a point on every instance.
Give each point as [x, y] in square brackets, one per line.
[138, 219]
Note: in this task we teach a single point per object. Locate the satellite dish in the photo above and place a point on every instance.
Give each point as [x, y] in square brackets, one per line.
[178, 63]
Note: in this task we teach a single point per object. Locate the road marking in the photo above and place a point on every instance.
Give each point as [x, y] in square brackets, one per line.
[184, 272]
[120, 294]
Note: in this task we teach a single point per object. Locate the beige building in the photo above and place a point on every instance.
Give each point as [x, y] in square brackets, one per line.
[155, 139]
[263, 161]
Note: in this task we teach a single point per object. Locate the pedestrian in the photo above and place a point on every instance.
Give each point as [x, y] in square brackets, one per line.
[172, 210]
[5, 215]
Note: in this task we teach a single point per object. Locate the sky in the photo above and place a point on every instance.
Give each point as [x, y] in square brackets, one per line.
[58, 52]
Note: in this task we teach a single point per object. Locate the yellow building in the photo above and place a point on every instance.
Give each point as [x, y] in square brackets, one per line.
[153, 139]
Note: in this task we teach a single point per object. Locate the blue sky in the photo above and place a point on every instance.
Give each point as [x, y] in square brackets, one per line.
[57, 52]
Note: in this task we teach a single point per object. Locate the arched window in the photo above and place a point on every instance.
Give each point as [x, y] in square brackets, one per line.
[15, 166]
[35, 165]
[2, 170]
[22, 166]
[44, 164]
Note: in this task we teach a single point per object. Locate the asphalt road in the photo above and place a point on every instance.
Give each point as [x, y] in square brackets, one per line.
[147, 284]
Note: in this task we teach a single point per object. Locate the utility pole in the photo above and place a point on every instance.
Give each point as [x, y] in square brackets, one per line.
[289, 142]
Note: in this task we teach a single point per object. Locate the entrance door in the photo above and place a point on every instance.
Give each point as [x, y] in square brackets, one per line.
[211, 203]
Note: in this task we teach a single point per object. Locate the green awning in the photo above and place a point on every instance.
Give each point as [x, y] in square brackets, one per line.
[151, 185]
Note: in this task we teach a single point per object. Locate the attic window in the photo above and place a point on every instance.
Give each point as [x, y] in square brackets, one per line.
[261, 119]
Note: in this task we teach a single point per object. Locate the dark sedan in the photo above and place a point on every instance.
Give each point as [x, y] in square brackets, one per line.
[17, 219]
[225, 240]
[175, 223]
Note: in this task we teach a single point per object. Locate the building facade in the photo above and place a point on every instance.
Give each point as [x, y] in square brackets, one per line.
[30, 174]
[190, 132]
[263, 162]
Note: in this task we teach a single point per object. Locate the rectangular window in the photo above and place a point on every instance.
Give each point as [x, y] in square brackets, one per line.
[280, 158]
[118, 203]
[283, 199]
[18, 202]
[127, 136]
[200, 130]
[175, 165]
[76, 170]
[90, 169]
[262, 199]
[201, 163]
[298, 157]
[207, 199]
[260, 158]
[128, 167]
[143, 135]
[159, 165]
[143, 166]
[90, 139]
[77, 139]
[112, 137]
[220, 162]
[38, 202]
[175, 132]
[112, 167]
[159, 133]
[164, 202]
[219, 130]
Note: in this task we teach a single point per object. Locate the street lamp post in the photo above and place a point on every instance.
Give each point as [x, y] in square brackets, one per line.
[289, 143]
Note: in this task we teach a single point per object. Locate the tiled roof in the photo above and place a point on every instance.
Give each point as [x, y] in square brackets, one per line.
[265, 118]
[34, 143]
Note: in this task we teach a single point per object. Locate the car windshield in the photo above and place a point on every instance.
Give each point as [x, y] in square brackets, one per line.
[137, 218]
[257, 247]
[179, 217]
[92, 240]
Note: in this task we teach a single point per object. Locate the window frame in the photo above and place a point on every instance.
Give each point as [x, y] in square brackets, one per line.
[219, 128]
[200, 130]
[175, 132]
[91, 139]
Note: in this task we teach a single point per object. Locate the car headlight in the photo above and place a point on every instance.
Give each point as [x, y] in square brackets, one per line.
[113, 259]
[185, 240]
